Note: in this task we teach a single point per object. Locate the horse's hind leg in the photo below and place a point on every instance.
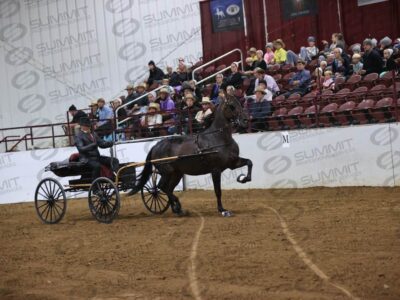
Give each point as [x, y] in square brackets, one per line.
[167, 184]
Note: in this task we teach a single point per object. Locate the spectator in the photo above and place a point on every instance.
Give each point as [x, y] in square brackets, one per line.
[384, 44]
[300, 81]
[260, 62]
[356, 48]
[166, 103]
[235, 78]
[169, 73]
[249, 66]
[141, 91]
[152, 121]
[357, 64]
[372, 61]
[271, 83]
[171, 90]
[217, 86]
[269, 53]
[341, 63]
[311, 52]
[389, 61]
[121, 115]
[253, 53]
[205, 110]
[280, 54]
[258, 109]
[104, 125]
[337, 42]
[221, 97]
[189, 112]
[76, 114]
[340, 43]
[155, 73]
[329, 83]
[131, 95]
[321, 69]
[268, 94]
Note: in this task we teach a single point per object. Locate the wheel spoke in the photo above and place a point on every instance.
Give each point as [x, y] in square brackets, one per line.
[44, 210]
[56, 210]
[47, 195]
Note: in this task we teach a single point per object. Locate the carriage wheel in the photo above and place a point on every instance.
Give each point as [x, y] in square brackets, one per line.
[50, 201]
[104, 200]
[153, 198]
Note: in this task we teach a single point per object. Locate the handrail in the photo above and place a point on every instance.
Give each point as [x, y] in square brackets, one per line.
[19, 141]
[130, 102]
[215, 74]
[218, 58]
[4, 140]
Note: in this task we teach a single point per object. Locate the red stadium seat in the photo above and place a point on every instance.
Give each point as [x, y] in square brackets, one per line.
[278, 77]
[309, 98]
[293, 98]
[362, 113]
[220, 68]
[326, 116]
[369, 80]
[359, 93]
[291, 120]
[377, 91]
[381, 113]
[341, 96]
[353, 82]
[339, 82]
[208, 71]
[343, 115]
[307, 119]
[279, 100]
[275, 121]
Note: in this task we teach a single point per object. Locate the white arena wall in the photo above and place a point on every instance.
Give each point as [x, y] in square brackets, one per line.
[344, 156]
[54, 53]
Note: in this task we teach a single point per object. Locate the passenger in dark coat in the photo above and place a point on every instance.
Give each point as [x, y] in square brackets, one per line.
[156, 74]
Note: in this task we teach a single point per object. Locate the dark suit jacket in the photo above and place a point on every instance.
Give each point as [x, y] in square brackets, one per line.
[88, 143]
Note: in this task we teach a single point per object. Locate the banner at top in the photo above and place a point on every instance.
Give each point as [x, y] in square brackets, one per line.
[297, 8]
[227, 15]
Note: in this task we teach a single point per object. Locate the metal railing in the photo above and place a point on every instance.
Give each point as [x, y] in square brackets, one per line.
[219, 58]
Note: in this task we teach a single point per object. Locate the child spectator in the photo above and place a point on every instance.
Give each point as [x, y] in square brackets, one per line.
[269, 53]
[309, 53]
[357, 64]
[329, 83]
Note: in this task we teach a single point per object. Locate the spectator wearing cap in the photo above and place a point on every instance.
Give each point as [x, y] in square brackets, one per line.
[271, 83]
[76, 114]
[260, 62]
[205, 110]
[152, 121]
[356, 63]
[217, 86]
[280, 54]
[253, 53]
[235, 78]
[268, 94]
[166, 103]
[269, 53]
[385, 43]
[104, 125]
[155, 73]
[258, 109]
[373, 62]
[341, 62]
[301, 80]
[311, 52]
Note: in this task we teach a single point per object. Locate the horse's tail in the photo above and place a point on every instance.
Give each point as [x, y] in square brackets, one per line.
[144, 176]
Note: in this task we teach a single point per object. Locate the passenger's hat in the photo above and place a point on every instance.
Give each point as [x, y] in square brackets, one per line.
[85, 122]
[189, 96]
[142, 85]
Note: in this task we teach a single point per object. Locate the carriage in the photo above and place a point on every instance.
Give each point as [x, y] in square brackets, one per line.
[103, 193]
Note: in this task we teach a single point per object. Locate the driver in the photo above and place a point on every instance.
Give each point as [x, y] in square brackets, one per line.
[87, 143]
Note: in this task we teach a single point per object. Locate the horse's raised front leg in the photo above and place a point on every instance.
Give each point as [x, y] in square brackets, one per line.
[216, 177]
[241, 162]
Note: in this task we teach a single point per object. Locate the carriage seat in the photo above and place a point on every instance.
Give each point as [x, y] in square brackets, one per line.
[105, 171]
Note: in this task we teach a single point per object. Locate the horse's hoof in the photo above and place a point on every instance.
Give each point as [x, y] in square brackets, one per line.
[242, 178]
[182, 213]
[226, 213]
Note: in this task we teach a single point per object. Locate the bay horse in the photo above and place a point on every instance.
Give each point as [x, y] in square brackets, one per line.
[211, 151]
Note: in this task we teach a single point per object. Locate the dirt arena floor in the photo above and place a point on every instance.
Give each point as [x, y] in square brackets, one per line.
[316, 243]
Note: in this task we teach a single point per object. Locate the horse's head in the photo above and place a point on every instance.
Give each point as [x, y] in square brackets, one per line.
[233, 111]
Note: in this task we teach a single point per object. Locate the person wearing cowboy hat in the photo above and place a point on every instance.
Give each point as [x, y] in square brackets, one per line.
[253, 53]
[280, 54]
[166, 103]
[130, 89]
[152, 121]
[190, 108]
[205, 110]
[87, 142]
[138, 99]
[258, 109]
